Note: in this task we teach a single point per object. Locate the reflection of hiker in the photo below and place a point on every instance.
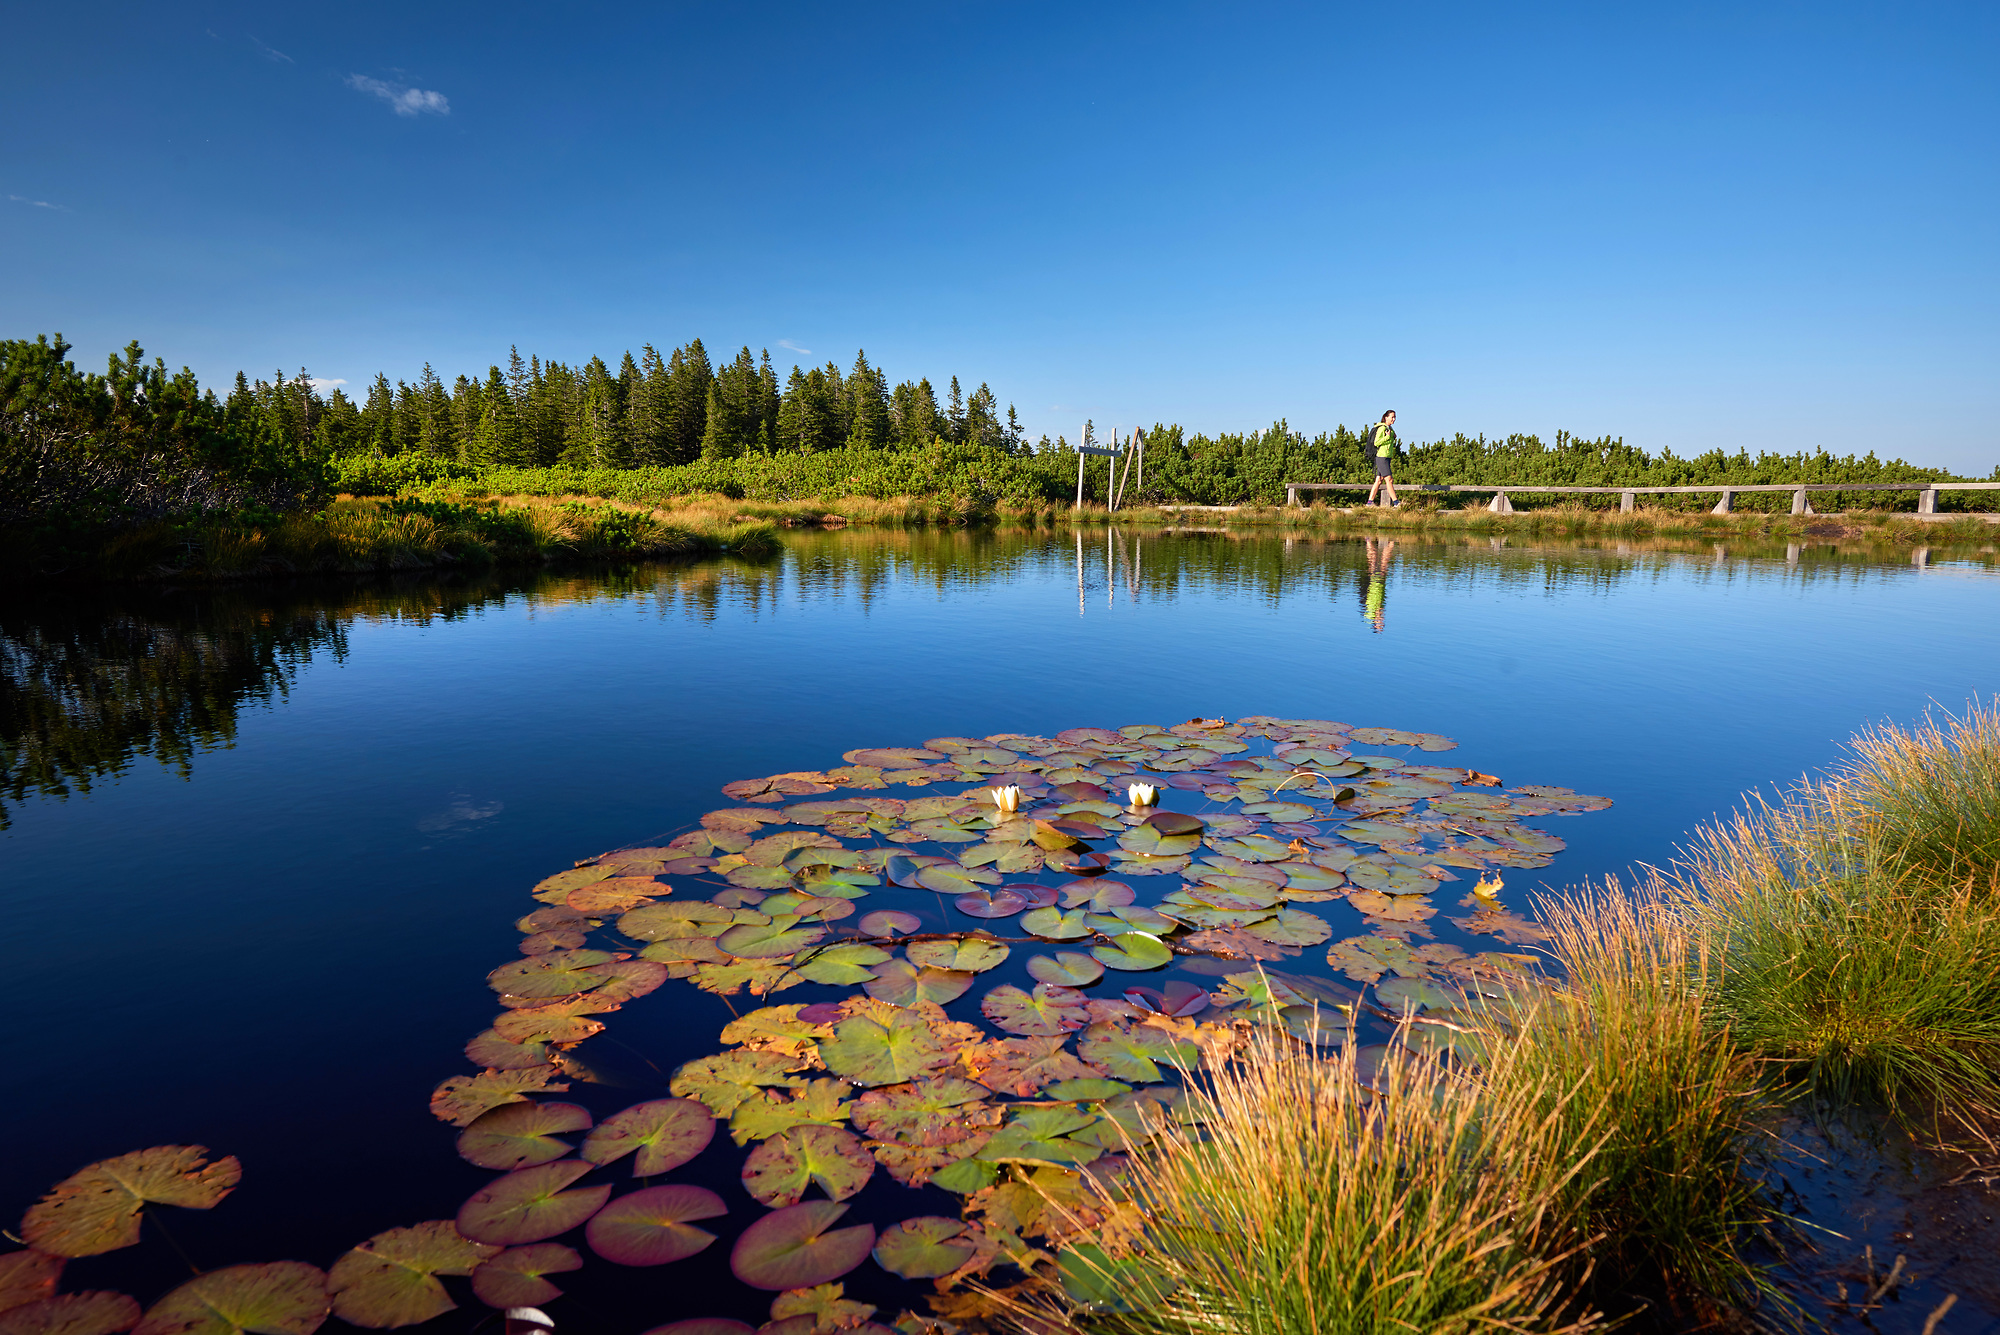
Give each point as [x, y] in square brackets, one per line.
[1375, 596]
[1380, 440]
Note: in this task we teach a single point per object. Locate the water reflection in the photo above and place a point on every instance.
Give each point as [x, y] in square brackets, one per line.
[91, 682]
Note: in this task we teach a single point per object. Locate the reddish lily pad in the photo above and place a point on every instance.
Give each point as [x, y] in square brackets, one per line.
[651, 1227]
[391, 1279]
[1001, 903]
[559, 973]
[96, 1209]
[461, 1099]
[95, 1313]
[892, 757]
[1046, 1010]
[615, 894]
[530, 1204]
[725, 1079]
[514, 1277]
[1065, 968]
[780, 1169]
[277, 1298]
[665, 1133]
[520, 1135]
[1022, 1066]
[28, 1276]
[924, 1248]
[797, 1247]
[1176, 998]
[1097, 895]
[664, 922]
[889, 922]
[900, 982]
[1292, 927]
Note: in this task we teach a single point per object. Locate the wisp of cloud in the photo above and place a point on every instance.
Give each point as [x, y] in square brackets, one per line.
[403, 100]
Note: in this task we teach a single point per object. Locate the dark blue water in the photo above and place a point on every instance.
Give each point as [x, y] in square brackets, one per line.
[275, 945]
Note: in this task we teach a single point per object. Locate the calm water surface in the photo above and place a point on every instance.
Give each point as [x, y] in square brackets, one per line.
[300, 819]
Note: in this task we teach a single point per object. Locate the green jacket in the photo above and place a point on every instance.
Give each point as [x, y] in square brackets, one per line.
[1383, 438]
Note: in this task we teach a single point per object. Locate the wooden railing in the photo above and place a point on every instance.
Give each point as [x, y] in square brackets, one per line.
[1627, 496]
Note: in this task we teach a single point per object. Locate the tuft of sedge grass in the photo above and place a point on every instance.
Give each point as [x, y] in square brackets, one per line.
[1860, 978]
[1350, 1194]
[1668, 1108]
[1930, 796]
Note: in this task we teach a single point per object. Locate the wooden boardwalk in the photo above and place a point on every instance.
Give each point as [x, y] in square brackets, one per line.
[1628, 496]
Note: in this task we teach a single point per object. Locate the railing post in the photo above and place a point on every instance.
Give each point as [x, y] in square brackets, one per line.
[1500, 505]
[1927, 501]
[1291, 496]
[1800, 504]
[1722, 506]
[1625, 502]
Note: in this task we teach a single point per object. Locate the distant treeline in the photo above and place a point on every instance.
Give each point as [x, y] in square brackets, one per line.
[137, 444]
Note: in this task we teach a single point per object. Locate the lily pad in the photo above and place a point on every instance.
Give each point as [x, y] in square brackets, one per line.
[771, 1113]
[892, 757]
[1134, 950]
[1292, 927]
[900, 982]
[1416, 993]
[96, 1209]
[725, 1079]
[1093, 1280]
[531, 1204]
[968, 954]
[1097, 895]
[560, 973]
[935, 1110]
[884, 1050]
[1065, 968]
[924, 1248]
[28, 1276]
[1054, 924]
[462, 1098]
[1022, 1066]
[664, 1134]
[889, 922]
[779, 937]
[1391, 880]
[663, 922]
[845, 964]
[797, 1247]
[650, 1227]
[1392, 908]
[514, 1277]
[1001, 903]
[615, 894]
[1046, 1010]
[520, 1135]
[780, 1169]
[391, 1279]
[94, 1313]
[1177, 998]
[277, 1298]
[953, 879]
[1134, 1054]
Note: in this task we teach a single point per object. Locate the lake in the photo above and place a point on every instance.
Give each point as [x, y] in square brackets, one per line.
[265, 842]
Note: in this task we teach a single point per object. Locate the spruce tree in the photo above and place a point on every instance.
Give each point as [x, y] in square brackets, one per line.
[499, 438]
[646, 415]
[435, 405]
[955, 421]
[867, 406]
[767, 404]
[688, 374]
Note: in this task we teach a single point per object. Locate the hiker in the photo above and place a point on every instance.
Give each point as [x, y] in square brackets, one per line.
[1380, 440]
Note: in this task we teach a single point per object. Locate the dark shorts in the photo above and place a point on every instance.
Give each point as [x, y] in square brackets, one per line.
[1382, 465]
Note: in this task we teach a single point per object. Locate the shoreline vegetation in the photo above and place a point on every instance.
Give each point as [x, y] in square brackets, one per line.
[1604, 1150]
[138, 473]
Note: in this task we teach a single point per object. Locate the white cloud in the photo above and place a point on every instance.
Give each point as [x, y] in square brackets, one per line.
[790, 346]
[402, 99]
[37, 203]
[318, 383]
[270, 53]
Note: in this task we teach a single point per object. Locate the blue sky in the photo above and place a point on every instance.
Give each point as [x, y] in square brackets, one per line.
[1760, 225]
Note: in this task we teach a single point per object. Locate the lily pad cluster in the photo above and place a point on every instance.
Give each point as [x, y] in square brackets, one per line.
[1009, 952]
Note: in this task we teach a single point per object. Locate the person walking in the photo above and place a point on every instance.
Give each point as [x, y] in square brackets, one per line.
[1381, 441]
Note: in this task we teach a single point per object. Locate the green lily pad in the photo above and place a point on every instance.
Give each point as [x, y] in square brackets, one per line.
[96, 1209]
[1097, 1283]
[1392, 908]
[1065, 968]
[771, 1113]
[96, 1313]
[780, 937]
[889, 922]
[520, 1135]
[1099, 894]
[1041, 1135]
[931, 1110]
[650, 1226]
[1392, 880]
[1134, 1054]
[1416, 993]
[276, 1298]
[842, 965]
[924, 1248]
[662, 1133]
[462, 1098]
[514, 1277]
[1055, 924]
[1046, 1010]
[391, 1279]
[966, 1176]
[726, 1079]
[1253, 848]
[886, 1050]
[1145, 841]
[797, 1247]
[530, 1204]
[1086, 1089]
[900, 982]
[752, 877]
[780, 1169]
[967, 954]
[666, 922]
[1131, 917]
[953, 879]
[1135, 950]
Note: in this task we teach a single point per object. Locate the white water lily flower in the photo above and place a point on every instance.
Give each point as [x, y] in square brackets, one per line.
[1487, 888]
[1008, 799]
[1142, 794]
